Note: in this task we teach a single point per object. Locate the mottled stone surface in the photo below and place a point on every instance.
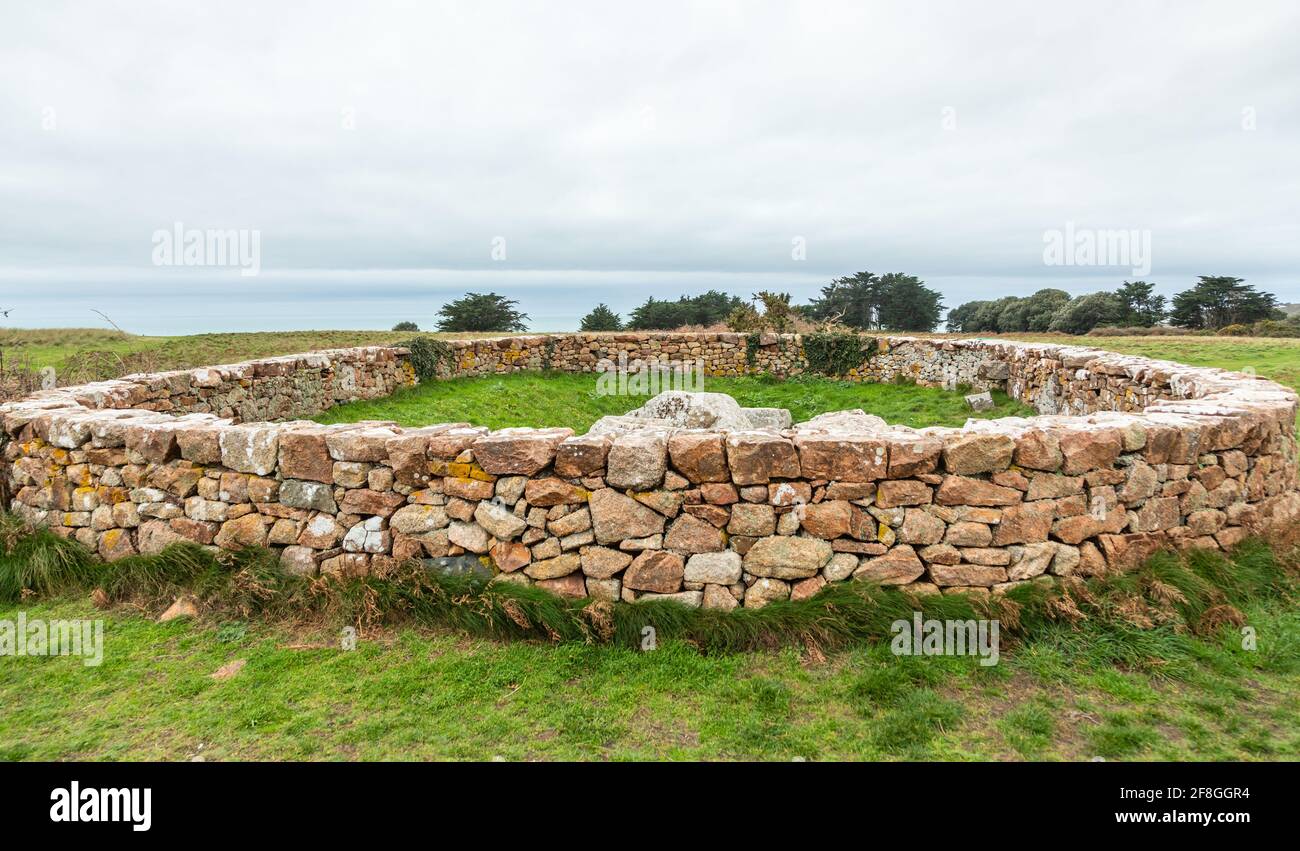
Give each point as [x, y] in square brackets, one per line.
[695, 500]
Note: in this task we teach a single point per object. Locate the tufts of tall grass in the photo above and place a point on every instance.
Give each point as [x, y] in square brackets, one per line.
[1126, 619]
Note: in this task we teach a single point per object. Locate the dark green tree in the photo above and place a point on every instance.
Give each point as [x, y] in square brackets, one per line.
[1041, 307]
[406, 326]
[961, 319]
[867, 301]
[709, 308]
[1014, 315]
[1219, 301]
[659, 315]
[854, 300]
[480, 312]
[1037, 313]
[1086, 312]
[907, 304]
[989, 314]
[601, 318]
[1142, 307]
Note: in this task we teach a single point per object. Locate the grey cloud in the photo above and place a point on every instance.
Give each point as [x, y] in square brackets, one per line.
[686, 138]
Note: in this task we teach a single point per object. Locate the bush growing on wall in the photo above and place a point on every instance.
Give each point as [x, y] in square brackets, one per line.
[427, 355]
[836, 354]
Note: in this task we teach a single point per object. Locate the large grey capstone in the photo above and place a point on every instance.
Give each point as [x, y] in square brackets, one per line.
[694, 410]
[678, 409]
[855, 421]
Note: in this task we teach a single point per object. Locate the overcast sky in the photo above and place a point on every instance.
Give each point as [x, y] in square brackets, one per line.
[616, 150]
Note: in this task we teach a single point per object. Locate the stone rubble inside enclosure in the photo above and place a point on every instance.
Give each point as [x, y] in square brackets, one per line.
[689, 498]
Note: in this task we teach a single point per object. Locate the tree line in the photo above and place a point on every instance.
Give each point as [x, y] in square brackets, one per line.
[895, 301]
[863, 301]
[1213, 303]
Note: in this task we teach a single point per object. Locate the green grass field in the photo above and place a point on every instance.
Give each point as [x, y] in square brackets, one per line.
[1065, 692]
[1099, 687]
[560, 399]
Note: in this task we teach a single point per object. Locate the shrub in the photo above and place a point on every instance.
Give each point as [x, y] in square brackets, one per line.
[778, 315]
[1276, 328]
[406, 326]
[836, 354]
[1237, 330]
[744, 319]
[427, 354]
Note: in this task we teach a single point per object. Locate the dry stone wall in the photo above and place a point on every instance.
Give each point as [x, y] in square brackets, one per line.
[1131, 455]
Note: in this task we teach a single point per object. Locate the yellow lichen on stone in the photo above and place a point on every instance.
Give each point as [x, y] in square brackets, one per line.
[111, 495]
[456, 469]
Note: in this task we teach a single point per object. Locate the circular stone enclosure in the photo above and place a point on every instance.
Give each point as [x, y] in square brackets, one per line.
[1128, 456]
